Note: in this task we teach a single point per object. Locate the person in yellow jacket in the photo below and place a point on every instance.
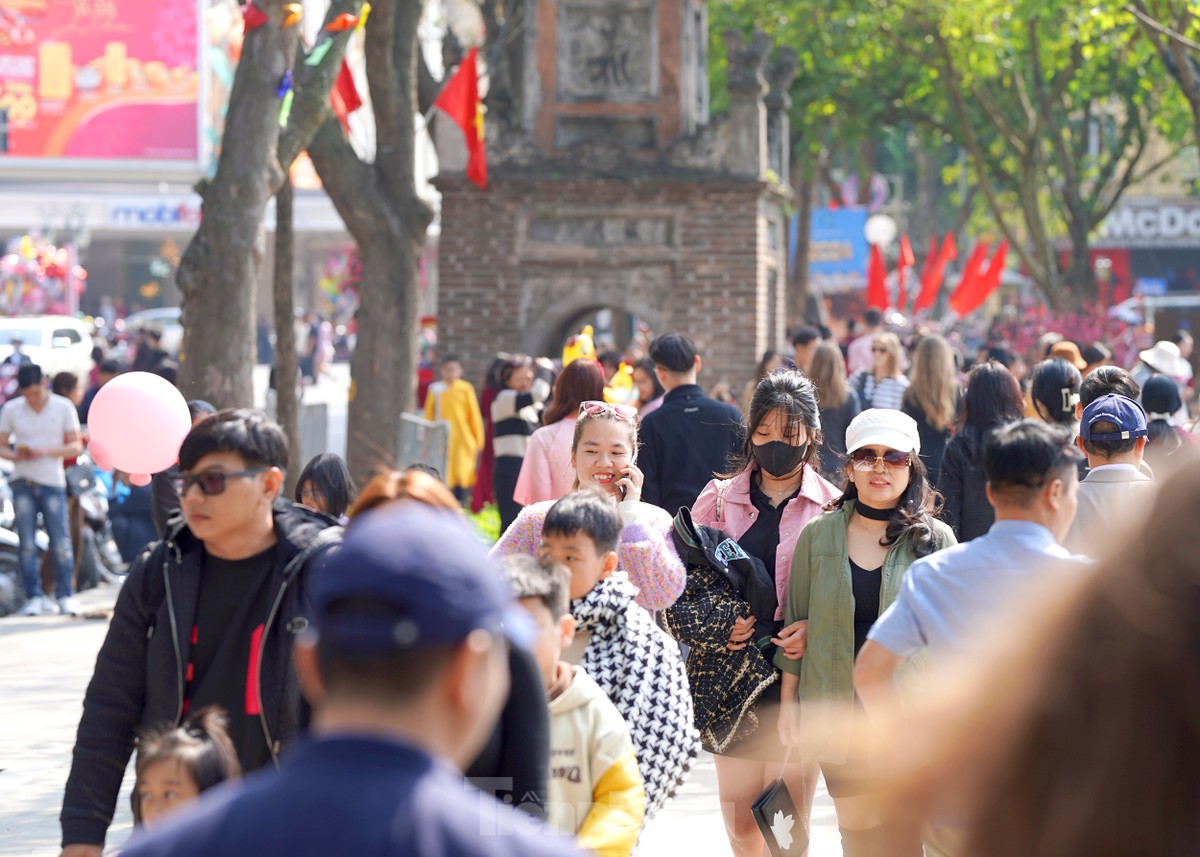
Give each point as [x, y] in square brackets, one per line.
[596, 792]
[453, 399]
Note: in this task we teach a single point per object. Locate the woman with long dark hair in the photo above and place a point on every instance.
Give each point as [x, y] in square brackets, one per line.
[1162, 401]
[847, 569]
[516, 413]
[776, 489]
[993, 398]
[546, 471]
[649, 389]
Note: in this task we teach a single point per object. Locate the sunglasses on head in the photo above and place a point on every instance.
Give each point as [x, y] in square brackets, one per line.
[599, 409]
[212, 482]
[866, 459]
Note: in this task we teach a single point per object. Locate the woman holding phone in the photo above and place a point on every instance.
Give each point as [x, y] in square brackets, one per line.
[604, 454]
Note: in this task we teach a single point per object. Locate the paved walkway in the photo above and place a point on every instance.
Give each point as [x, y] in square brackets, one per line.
[46, 663]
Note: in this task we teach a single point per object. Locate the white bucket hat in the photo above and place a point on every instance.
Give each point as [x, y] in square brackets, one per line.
[1165, 359]
[883, 427]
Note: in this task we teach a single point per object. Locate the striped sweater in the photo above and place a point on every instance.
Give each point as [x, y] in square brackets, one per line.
[515, 416]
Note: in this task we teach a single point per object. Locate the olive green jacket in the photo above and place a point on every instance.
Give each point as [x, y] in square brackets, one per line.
[820, 591]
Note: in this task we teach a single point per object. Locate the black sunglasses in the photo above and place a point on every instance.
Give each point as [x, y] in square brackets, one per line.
[212, 482]
[892, 458]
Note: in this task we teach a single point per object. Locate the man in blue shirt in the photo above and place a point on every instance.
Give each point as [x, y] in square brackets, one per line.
[1032, 472]
[405, 666]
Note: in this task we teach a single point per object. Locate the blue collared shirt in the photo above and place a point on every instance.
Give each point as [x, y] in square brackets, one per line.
[947, 594]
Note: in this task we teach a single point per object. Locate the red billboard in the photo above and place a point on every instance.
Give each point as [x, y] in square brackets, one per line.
[100, 82]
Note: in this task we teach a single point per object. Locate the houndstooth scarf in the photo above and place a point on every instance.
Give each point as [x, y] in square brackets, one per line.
[639, 668]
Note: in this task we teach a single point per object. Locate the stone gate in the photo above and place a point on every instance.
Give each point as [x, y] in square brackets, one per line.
[610, 187]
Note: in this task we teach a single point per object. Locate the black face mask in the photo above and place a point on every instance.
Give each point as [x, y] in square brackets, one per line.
[777, 458]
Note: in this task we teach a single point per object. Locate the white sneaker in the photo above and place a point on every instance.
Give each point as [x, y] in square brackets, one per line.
[69, 606]
[38, 605]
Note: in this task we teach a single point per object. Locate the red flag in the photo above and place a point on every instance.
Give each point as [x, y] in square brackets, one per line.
[877, 295]
[970, 277]
[931, 282]
[459, 100]
[985, 283]
[907, 260]
[344, 97]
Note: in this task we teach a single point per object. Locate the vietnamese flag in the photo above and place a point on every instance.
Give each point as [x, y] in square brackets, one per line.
[459, 100]
[931, 283]
[877, 295]
[985, 283]
[964, 294]
[344, 97]
[907, 260]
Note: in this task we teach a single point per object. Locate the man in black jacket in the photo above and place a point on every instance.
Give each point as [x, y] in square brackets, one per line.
[690, 437]
[206, 617]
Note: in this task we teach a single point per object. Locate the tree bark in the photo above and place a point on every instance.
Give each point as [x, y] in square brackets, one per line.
[287, 407]
[220, 268]
[219, 273]
[803, 182]
[380, 207]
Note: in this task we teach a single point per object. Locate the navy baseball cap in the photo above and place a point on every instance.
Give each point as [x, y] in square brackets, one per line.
[1123, 412]
[410, 577]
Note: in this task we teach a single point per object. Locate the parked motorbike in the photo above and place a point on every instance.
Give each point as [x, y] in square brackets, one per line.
[97, 557]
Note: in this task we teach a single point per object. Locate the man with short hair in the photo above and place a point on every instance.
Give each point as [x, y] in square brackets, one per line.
[37, 431]
[804, 345]
[1032, 472]
[205, 617]
[405, 667]
[690, 437]
[858, 354]
[18, 357]
[1112, 435]
[107, 370]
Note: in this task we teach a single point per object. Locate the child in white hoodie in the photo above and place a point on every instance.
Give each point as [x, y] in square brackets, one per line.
[596, 791]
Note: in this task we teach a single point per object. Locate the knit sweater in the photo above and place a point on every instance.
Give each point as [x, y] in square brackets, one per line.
[646, 551]
[639, 668]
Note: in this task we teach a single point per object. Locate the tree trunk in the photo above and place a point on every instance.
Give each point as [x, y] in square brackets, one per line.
[380, 207]
[1080, 277]
[287, 408]
[803, 187]
[219, 272]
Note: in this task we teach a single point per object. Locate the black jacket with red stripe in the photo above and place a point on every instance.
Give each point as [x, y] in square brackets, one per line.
[139, 678]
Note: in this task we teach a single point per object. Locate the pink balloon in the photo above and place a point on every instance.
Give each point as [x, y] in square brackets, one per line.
[137, 423]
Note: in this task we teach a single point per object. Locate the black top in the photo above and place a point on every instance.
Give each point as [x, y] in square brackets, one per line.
[964, 486]
[834, 422]
[866, 585]
[933, 442]
[762, 540]
[514, 766]
[688, 440]
[234, 600]
[166, 501]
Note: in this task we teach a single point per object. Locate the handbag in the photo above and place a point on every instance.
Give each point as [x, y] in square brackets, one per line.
[776, 815]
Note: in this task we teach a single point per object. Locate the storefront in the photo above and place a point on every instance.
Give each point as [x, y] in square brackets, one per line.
[1149, 247]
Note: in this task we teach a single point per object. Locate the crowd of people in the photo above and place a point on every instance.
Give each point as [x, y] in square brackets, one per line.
[809, 585]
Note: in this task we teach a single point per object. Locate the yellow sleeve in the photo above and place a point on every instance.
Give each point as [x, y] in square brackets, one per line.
[474, 417]
[429, 405]
[618, 806]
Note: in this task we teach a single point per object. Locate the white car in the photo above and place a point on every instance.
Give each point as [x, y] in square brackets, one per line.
[57, 343]
[164, 318]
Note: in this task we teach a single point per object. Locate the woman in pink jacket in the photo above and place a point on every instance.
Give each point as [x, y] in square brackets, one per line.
[604, 457]
[776, 491]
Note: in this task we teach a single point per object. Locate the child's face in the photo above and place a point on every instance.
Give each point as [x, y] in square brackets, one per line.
[578, 553]
[451, 372]
[552, 637]
[164, 786]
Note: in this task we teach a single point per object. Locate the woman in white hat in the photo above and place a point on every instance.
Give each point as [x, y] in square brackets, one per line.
[847, 569]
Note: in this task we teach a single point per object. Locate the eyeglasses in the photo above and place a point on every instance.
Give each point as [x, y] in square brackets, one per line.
[600, 409]
[212, 482]
[866, 459]
[879, 350]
